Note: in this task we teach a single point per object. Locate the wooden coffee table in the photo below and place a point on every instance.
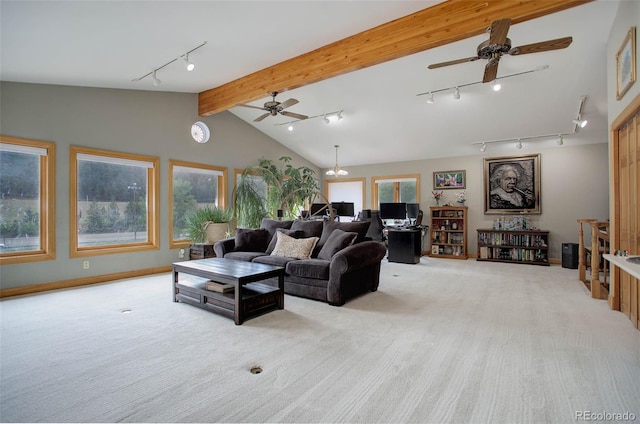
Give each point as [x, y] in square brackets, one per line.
[249, 298]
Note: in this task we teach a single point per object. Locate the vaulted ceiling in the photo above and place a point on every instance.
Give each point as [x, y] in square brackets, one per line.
[315, 52]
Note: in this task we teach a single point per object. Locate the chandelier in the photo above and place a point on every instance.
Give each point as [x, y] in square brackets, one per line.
[336, 171]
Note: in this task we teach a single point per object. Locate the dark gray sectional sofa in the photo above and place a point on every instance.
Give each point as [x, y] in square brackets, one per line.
[343, 263]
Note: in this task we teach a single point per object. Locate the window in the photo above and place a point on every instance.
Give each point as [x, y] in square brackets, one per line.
[192, 186]
[113, 202]
[27, 200]
[346, 190]
[399, 188]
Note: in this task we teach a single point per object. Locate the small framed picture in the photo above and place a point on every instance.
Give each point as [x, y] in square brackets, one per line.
[443, 180]
[626, 64]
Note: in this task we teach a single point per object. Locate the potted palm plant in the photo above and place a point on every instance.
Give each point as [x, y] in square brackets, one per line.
[267, 187]
[205, 226]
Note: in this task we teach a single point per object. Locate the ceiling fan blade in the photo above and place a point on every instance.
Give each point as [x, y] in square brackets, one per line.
[288, 103]
[491, 70]
[499, 30]
[293, 115]
[252, 107]
[261, 117]
[452, 62]
[543, 46]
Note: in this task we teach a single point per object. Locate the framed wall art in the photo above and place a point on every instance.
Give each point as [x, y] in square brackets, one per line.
[449, 179]
[512, 185]
[626, 64]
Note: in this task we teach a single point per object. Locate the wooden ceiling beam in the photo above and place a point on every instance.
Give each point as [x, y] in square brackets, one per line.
[444, 23]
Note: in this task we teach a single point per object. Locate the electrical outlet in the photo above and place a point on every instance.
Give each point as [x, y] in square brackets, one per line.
[181, 254]
[85, 265]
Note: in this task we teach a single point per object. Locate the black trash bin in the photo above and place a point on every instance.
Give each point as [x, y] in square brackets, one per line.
[570, 255]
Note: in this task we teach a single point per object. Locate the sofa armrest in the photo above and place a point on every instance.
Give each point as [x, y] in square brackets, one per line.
[358, 256]
[224, 246]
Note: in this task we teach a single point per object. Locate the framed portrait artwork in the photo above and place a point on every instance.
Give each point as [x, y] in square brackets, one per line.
[512, 185]
[443, 180]
[626, 64]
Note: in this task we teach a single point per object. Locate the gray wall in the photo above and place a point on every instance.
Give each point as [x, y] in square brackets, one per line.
[142, 122]
[574, 179]
[574, 184]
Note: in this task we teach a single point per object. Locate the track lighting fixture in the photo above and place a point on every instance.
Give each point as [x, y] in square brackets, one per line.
[495, 84]
[190, 66]
[430, 98]
[184, 57]
[558, 137]
[326, 117]
[581, 123]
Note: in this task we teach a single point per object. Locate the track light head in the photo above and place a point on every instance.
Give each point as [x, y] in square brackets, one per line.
[340, 117]
[456, 93]
[496, 86]
[326, 120]
[156, 81]
[290, 127]
[430, 98]
[580, 122]
[519, 145]
[560, 140]
[190, 65]
[483, 148]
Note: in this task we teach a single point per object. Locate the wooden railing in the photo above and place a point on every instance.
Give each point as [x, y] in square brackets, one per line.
[599, 246]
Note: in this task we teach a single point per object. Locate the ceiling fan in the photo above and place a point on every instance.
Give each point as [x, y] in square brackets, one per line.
[498, 45]
[273, 108]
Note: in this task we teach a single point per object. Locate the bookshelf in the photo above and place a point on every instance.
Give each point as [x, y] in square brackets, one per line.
[448, 225]
[515, 246]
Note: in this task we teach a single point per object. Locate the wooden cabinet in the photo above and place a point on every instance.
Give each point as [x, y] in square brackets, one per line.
[521, 246]
[448, 225]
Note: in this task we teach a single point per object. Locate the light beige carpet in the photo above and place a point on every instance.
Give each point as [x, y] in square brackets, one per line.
[443, 341]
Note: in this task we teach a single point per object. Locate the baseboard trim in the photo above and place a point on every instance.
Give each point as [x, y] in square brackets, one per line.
[76, 282]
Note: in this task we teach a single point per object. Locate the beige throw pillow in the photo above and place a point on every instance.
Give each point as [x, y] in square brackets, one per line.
[292, 247]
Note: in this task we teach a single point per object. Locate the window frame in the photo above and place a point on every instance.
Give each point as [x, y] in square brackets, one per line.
[222, 194]
[153, 205]
[47, 207]
[396, 179]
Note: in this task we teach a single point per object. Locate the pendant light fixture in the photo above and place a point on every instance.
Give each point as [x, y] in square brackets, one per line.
[336, 171]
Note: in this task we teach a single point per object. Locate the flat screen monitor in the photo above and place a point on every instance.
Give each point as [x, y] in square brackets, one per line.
[412, 210]
[343, 208]
[393, 210]
[316, 209]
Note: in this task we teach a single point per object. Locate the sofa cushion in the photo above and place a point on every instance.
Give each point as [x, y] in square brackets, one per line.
[359, 227]
[317, 269]
[274, 260]
[294, 248]
[251, 240]
[309, 228]
[243, 256]
[337, 241]
[271, 225]
[293, 233]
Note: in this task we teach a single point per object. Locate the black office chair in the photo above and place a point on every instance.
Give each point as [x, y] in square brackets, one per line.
[418, 220]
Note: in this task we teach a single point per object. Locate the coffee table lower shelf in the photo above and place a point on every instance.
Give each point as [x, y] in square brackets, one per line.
[257, 298]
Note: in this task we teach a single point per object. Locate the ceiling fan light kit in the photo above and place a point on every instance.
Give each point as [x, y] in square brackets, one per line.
[184, 57]
[559, 137]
